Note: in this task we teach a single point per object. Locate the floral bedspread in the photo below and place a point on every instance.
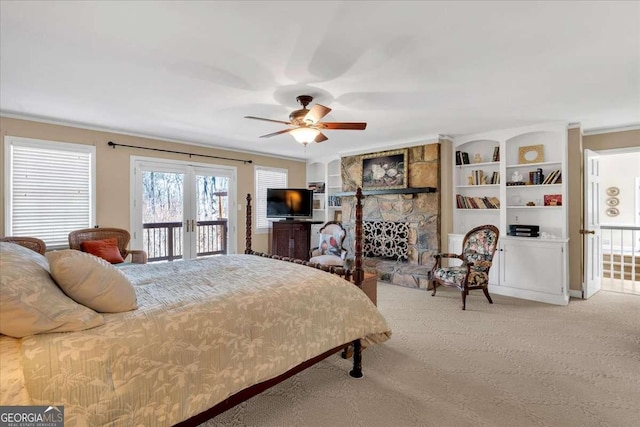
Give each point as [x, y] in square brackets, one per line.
[204, 330]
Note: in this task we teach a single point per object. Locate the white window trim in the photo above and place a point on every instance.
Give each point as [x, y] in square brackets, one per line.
[256, 168]
[10, 141]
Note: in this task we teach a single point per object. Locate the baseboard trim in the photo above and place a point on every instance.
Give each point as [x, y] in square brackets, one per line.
[575, 294]
[557, 299]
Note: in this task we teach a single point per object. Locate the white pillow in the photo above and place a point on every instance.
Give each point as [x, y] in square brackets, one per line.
[92, 281]
[328, 260]
[30, 301]
[330, 245]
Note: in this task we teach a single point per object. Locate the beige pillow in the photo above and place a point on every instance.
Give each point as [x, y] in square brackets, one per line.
[30, 301]
[92, 281]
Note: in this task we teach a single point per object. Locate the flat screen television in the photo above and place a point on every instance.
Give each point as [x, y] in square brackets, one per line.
[289, 203]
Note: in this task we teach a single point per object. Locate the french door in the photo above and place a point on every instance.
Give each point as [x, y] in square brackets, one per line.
[182, 210]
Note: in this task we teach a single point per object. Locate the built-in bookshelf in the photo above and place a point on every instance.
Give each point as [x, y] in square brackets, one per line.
[513, 179]
[325, 178]
[477, 184]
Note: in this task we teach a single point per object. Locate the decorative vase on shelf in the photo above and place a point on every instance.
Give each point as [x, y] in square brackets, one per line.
[477, 158]
[516, 177]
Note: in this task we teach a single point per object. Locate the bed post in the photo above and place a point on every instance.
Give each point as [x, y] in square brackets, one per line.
[247, 243]
[356, 372]
[358, 276]
[358, 273]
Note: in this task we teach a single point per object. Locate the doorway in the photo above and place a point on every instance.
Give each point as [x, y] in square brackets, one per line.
[619, 213]
[183, 210]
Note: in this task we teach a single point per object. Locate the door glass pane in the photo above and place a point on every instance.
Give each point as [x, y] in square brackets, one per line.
[162, 214]
[212, 206]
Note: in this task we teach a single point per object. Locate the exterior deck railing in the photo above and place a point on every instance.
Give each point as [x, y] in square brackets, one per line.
[621, 258]
[163, 240]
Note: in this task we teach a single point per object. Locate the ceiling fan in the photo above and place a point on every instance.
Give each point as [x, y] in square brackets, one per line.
[307, 126]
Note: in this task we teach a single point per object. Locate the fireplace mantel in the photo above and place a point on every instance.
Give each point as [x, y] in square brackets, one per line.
[395, 191]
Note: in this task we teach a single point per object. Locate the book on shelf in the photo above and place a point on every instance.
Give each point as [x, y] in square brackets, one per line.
[462, 158]
[464, 202]
[335, 201]
[536, 177]
[465, 158]
[496, 154]
[552, 177]
[495, 178]
[478, 177]
[553, 199]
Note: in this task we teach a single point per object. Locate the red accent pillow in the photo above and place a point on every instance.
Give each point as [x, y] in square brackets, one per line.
[106, 249]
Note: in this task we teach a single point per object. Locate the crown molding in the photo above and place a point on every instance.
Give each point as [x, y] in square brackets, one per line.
[623, 128]
[37, 119]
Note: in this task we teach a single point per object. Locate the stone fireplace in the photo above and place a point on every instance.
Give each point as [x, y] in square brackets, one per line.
[418, 214]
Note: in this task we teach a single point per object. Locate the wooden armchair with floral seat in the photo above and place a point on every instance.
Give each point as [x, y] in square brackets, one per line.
[107, 243]
[330, 251]
[478, 248]
[32, 243]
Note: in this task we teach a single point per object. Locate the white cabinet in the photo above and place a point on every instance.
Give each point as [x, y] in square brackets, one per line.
[326, 175]
[525, 268]
[534, 269]
[502, 189]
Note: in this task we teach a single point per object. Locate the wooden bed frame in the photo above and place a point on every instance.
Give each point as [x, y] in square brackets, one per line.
[356, 276]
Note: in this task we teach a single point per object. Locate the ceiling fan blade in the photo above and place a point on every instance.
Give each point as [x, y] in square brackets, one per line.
[267, 120]
[276, 133]
[321, 137]
[316, 113]
[338, 125]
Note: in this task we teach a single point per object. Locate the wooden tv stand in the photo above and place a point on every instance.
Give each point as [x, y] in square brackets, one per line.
[291, 238]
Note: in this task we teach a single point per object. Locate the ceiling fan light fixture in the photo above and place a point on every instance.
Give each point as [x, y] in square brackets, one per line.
[304, 135]
[306, 123]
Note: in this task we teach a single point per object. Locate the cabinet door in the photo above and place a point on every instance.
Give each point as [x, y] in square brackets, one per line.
[533, 266]
[281, 240]
[300, 236]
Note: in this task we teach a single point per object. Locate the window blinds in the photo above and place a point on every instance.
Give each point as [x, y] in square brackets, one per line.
[51, 190]
[266, 178]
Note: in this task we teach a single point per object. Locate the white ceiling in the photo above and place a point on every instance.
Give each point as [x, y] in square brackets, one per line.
[190, 71]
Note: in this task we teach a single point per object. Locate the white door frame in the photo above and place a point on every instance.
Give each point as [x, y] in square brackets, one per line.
[189, 168]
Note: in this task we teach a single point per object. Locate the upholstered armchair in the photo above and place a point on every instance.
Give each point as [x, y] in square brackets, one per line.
[478, 248]
[330, 250]
[83, 240]
[32, 243]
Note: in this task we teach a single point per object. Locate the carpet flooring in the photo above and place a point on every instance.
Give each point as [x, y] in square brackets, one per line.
[513, 363]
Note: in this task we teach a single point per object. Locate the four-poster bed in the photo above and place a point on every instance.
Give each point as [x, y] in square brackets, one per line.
[207, 335]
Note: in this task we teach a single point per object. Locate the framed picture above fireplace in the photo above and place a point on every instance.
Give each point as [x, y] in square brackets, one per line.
[385, 171]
